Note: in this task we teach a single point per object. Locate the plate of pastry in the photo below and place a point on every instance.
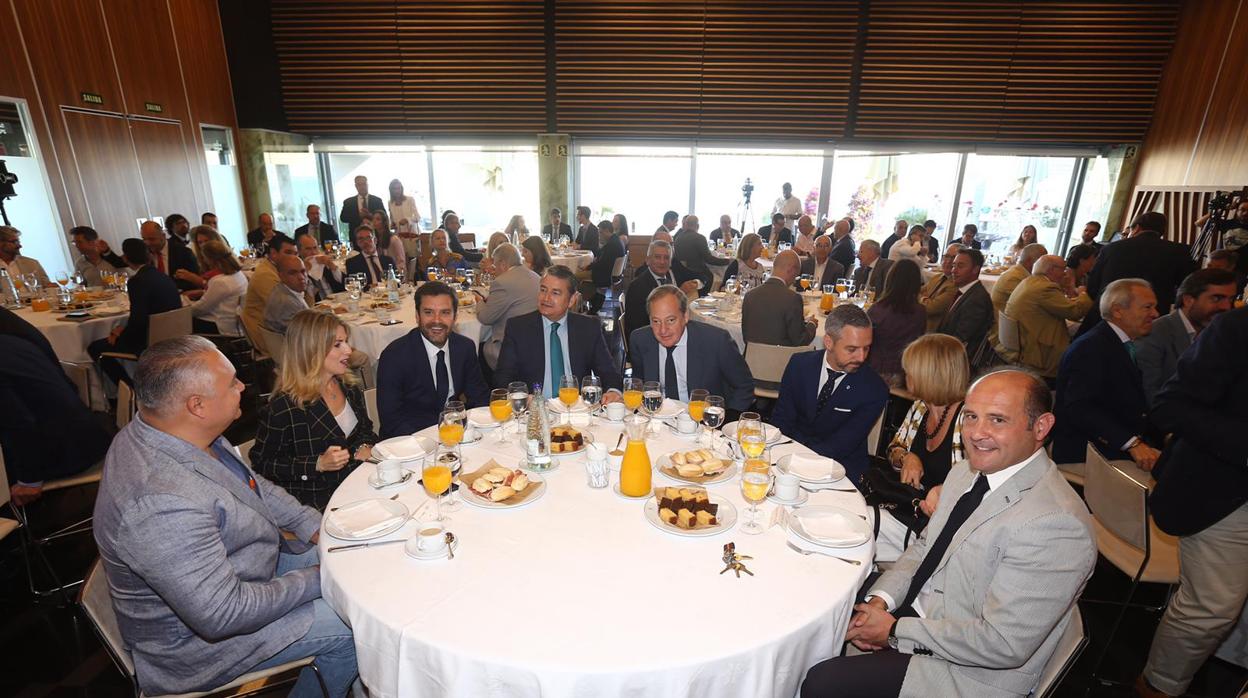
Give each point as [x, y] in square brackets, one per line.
[496, 487]
[567, 441]
[689, 511]
[699, 466]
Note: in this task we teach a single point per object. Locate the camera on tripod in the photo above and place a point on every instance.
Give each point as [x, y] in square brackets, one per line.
[747, 189]
[7, 180]
[1220, 201]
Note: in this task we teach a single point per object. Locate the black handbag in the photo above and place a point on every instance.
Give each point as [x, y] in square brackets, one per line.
[883, 489]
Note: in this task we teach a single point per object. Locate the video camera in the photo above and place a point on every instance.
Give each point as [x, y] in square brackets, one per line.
[747, 189]
[7, 180]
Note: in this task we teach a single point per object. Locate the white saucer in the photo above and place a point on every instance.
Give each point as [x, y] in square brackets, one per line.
[802, 497]
[410, 548]
[554, 465]
[616, 489]
[377, 484]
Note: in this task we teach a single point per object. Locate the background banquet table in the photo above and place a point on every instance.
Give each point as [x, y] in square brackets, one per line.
[69, 339]
[575, 260]
[576, 594]
[371, 337]
[732, 323]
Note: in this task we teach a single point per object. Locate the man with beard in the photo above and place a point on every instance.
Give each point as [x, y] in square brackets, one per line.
[419, 372]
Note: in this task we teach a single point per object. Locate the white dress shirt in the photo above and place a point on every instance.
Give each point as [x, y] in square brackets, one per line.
[680, 353]
[823, 376]
[346, 418]
[550, 385]
[221, 301]
[804, 243]
[790, 207]
[26, 265]
[432, 350]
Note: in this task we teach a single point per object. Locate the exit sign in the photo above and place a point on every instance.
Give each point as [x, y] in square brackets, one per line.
[153, 107]
[92, 98]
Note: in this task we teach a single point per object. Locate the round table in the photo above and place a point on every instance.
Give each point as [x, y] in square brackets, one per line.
[575, 260]
[576, 594]
[372, 338]
[69, 338]
[733, 323]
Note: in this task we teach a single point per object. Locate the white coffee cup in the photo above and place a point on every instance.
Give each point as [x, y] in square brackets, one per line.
[787, 486]
[685, 423]
[615, 411]
[430, 537]
[389, 471]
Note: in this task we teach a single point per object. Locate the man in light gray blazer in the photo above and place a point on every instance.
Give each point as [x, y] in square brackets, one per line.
[872, 269]
[288, 297]
[1202, 295]
[977, 606]
[203, 583]
[514, 292]
[773, 313]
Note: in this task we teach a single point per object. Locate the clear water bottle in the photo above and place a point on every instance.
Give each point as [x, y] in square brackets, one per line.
[8, 290]
[537, 432]
[392, 285]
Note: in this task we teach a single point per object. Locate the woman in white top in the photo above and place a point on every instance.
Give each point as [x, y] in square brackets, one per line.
[406, 219]
[389, 243]
[216, 311]
[911, 248]
[745, 267]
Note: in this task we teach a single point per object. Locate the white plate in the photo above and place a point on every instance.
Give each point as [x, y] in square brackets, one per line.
[376, 483]
[587, 437]
[858, 525]
[665, 460]
[773, 433]
[410, 548]
[727, 516]
[802, 498]
[405, 448]
[838, 471]
[476, 500]
[670, 409]
[481, 418]
[705, 303]
[396, 510]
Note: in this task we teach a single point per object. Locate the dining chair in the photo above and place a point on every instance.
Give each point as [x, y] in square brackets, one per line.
[80, 375]
[767, 363]
[7, 525]
[126, 407]
[1008, 333]
[370, 404]
[160, 326]
[97, 605]
[1126, 535]
[1073, 642]
[34, 547]
[273, 345]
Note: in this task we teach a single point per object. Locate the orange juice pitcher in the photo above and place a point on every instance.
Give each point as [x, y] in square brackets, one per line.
[635, 471]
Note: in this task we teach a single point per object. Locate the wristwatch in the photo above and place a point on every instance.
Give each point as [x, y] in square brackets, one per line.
[892, 636]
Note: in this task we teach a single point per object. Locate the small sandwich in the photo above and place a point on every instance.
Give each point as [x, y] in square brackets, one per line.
[713, 466]
[690, 470]
[500, 493]
[481, 485]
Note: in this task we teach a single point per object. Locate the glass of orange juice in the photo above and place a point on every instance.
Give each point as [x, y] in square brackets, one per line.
[632, 394]
[828, 301]
[436, 477]
[697, 406]
[569, 391]
[500, 410]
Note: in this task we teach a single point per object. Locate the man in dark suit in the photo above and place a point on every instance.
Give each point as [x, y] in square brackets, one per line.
[263, 232]
[777, 224]
[168, 256]
[319, 229]
[556, 228]
[419, 372]
[599, 273]
[1091, 235]
[179, 228]
[872, 268]
[1202, 295]
[899, 233]
[572, 344]
[821, 265]
[689, 247]
[843, 244]
[969, 231]
[685, 356]
[772, 312]
[830, 399]
[1144, 254]
[725, 233]
[451, 224]
[1202, 497]
[150, 292]
[933, 247]
[359, 208]
[658, 271]
[1100, 394]
[971, 316]
[368, 262]
[586, 232]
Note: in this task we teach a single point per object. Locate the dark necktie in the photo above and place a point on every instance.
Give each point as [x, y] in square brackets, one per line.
[962, 511]
[665, 279]
[1130, 347]
[828, 388]
[442, 378]
[671, 383]
[372, 262]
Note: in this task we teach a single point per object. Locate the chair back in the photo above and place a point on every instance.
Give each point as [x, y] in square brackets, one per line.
[273, 344]
[126, 405]
[370, 405]
[1068, 649]
[1007, 332]
[468, 240]
[767, 361]
[877, 429]
[617, 269]
[80, 376]
[1117, 498]
[96, 602]
[169, 324]
[4, 480]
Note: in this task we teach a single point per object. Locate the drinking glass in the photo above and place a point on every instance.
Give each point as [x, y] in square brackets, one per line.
[697, 405]
[500, 410]
[754, 488]
[712, 416]
[749, 422]
[62, 278]
[431, 273]
[651, 401]
[569, 391]
[518, 393]
[591, 392]
[632, 394]
[828, 300]
[435, 475]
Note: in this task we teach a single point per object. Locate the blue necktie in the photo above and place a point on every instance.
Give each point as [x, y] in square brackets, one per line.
[1130, 347]
[556, 360]
[828, 389]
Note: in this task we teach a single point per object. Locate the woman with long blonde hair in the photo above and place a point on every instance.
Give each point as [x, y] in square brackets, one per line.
[316, 429]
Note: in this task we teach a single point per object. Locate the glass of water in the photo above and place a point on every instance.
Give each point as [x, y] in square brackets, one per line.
[713, 417]
[591, 393]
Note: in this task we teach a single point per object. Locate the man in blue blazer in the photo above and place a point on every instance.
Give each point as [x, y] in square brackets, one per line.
[419, 372]
[1100, 392]
[531, 340]
[684, 356]
[830, 399]
[369, 262]
[150, 292]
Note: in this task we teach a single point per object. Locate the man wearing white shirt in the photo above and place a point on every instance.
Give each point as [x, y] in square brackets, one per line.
[979, 603]
[789, 205]
[805, 242]
[359, 208]
[11, 259]
[324, 276]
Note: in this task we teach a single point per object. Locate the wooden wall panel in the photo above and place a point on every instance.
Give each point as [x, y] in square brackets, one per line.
[104, 156]
[1200, 126]
[141, 34]
[69, 51]
[201, 51]
[166, 172]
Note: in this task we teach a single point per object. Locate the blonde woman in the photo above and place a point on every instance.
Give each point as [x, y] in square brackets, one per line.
[216, 311]
[746, 267]
[517, 228]
[316, 429]
[440, 255]
[487, 263]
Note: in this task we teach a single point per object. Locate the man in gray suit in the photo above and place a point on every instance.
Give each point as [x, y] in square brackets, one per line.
[288, 297]
[514, 292]
[203, 583]
[872, 269]
[977, 606]
[689, 247]
[773, 312]
[1202, 295]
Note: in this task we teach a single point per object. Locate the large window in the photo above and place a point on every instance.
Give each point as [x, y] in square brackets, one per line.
[1003, 193]
[31, 210]
[721, 173]
[877, 189]
[1095, 197]
[486, 186]
[293, 186]
[227, 194]
[641, 183]
[404, 163]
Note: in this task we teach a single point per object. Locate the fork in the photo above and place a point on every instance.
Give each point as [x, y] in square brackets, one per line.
[817, 552]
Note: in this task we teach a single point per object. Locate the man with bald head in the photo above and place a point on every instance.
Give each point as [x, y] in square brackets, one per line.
[1041, 305]
[872, 268]
[264, 230]
[289, 296]
[842, 244]
[168, 257]
[978, 605]
[820, 264]
[1014, 275]
[725, 234]
[773, 313]
[806, 232]
[689, 247]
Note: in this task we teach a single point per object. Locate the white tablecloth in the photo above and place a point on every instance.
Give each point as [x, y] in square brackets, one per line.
[370, 337]
[69, 340]
[573, 259]
[576, 594]
[734, 325]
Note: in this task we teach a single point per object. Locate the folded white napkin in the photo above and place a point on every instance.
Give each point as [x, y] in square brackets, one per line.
[401, 448]
[558, 407]
[810, 467]
[364, 518]
[830, 527]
